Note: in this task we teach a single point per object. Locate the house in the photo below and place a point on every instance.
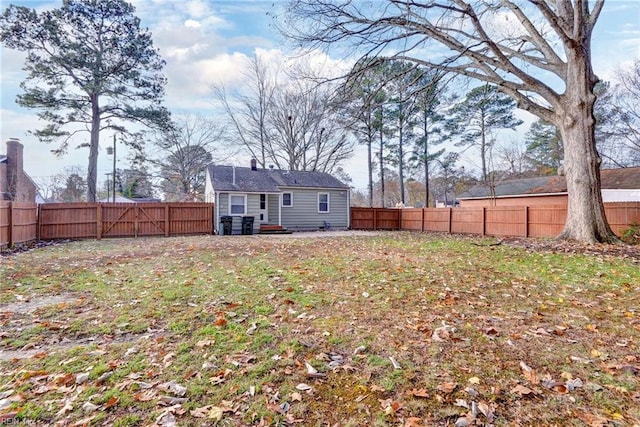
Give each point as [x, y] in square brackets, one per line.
[276, 199]
[618, 185]
[15, 184]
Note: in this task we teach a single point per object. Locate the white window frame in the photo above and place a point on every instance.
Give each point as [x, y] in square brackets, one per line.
[290, 199]
[328, 203]
[244, 205]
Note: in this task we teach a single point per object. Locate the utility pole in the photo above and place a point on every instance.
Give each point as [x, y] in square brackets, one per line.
[114, 168]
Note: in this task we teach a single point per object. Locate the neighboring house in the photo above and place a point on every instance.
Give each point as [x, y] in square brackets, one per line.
[277, 199]
[618, 185]
[121, 199]
[15, 184]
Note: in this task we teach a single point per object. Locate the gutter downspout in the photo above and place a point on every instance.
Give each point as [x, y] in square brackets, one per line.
[349, 209]
[216, 199]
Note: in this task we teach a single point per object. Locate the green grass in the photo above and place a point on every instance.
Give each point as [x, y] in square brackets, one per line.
[237, 321]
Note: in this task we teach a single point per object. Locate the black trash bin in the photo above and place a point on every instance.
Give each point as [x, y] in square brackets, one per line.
[227, 224]
[247, 225]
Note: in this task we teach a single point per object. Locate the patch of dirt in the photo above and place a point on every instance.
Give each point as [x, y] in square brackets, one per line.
[29, 305]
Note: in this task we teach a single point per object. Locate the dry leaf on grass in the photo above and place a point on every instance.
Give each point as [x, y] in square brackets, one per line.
[529, 373]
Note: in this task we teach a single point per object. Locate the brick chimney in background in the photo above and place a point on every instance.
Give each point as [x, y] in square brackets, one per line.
[15, 165]
[254, 165]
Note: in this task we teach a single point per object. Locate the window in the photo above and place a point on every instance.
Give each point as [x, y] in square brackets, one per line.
[263, 201]
[323, 202]
[237, 204]
[287, 200]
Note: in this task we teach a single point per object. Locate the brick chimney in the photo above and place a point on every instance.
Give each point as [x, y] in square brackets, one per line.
[15, 164]
[254, 165]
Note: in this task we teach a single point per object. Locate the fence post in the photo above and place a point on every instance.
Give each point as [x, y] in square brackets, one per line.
[166, 220]
[450, 218]
[98, 221]
[526, 221]
[484, 221]
[422, 221]
[399, 219]
[375, 218]
[10, 243]
[38, 207]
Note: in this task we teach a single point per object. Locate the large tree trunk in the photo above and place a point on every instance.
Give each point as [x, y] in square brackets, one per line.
[586, 219]
[94, 146]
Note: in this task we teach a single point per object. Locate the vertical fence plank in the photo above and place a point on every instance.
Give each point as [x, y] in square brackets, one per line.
[98, 221]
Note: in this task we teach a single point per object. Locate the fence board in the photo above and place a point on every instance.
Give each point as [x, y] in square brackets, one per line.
[5, 223]
[436, 219]
[621, 215]
[519, 221]
[467, 220]
[412, 219]
[505, 221]
[18, 223]
[96, 220]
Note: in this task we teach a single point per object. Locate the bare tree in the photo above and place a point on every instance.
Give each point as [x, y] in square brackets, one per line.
[618, 115]
[291, 122]
[527, 48]
[247, 108]
[182, 154]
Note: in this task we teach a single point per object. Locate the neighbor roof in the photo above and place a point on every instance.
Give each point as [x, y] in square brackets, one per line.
[611, 179]
[3, 158]
[242, 179]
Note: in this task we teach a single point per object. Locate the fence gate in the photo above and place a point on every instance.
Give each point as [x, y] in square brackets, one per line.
[125, 219]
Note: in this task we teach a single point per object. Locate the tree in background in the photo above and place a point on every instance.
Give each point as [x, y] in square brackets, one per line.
[135, 183]
[527, 49]
[363, 96]
[618, 118]
[67, 186]
[89, 64]
[290, 122]
[247, 109]
[402, 80]
[181, 156]
[431, 123]
[544, 147]
[482, 112]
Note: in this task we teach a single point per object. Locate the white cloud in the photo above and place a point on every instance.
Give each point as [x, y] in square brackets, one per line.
[190, 23]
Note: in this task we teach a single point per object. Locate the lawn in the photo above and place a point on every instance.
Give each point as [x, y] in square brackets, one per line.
[396, 329]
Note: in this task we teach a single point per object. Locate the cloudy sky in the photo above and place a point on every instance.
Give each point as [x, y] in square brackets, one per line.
[208, 41]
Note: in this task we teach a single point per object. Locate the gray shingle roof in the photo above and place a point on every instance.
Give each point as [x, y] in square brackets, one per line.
[268, 180]
[623, 178]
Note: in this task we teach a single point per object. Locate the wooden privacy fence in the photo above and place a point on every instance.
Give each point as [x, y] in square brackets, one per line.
[508, 221]
[18, 223]
[98, 220]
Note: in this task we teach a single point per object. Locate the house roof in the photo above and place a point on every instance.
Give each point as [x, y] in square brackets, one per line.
[3, 158]
[246, 180]
[611, 179]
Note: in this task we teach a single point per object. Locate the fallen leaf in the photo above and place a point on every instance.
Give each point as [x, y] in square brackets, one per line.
[202, 412]
[113, 401]
[529, 373]
[474, 380]
[447, 387]
[304, 387]
[418, 393]
[296, 397]
[561, 388]
[413, 422]
[89, 407]
[523, 391]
